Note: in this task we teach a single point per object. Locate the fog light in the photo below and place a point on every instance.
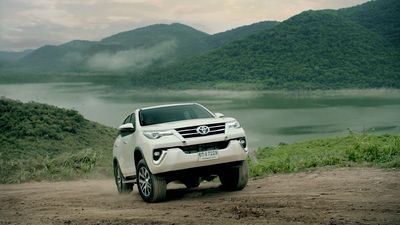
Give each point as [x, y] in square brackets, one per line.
[242, 142]
[157, 154]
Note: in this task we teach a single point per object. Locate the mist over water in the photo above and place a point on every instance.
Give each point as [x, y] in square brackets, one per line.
[131, 59]
[269, 118]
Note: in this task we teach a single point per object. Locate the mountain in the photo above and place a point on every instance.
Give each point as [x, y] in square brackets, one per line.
[380, 16]
[188, 40]
[223, 38]
[7, 58]
[39, 141]
[155, 44]
[315, 49]
[68, 56]
[355, 47]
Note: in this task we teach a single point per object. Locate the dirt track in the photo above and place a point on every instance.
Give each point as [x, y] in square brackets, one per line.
[326, 196]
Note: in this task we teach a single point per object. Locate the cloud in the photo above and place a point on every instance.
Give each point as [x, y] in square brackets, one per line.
[59, 21]
[132, 59]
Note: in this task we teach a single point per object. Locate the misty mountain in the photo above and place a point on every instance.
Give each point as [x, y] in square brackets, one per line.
[157, 45]
[346, 48]
[7, 58]
[381, 16]
[68, 56]
[315, 49]
[188, 40]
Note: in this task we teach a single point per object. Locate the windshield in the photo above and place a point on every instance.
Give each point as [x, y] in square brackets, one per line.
[172, 113]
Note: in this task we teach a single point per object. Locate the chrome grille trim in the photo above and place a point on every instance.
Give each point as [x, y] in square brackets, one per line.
[190, 132]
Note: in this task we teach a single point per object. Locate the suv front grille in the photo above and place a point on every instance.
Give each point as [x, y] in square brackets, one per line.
[205, 147]
[189, 132]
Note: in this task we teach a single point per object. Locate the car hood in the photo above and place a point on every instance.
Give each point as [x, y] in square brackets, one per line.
[186, 123]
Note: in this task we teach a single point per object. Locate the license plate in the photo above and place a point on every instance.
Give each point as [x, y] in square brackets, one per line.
[208, 155]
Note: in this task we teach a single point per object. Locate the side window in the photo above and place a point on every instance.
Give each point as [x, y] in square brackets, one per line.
[127, 119]
[132, 119]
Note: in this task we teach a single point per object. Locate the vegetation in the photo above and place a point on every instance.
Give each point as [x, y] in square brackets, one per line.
[223, 38]
[189, 41]
[155, 45]
[315, 49]
[356, 47]
[380, 16]
[353, 150]
[39, 141]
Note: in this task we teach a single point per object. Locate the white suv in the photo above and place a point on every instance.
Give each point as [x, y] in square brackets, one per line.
[180, 142]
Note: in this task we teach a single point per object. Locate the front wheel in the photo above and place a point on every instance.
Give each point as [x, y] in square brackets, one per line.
[122, 187]
[235, 178]
[152, 188]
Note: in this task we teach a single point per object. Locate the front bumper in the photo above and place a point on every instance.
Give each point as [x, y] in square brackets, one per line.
[174, 158]
[177, 159]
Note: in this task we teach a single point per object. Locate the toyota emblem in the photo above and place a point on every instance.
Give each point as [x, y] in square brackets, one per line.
[203, 130]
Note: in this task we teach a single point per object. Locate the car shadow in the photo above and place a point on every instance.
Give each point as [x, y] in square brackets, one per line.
[191, 193]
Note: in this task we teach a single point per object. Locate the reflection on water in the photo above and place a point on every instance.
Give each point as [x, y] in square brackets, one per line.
[268, 117]
[310, 129]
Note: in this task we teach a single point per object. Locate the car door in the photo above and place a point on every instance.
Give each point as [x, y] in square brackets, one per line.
[127, 148]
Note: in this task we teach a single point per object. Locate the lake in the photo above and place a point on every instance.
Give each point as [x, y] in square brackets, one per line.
[269, 117]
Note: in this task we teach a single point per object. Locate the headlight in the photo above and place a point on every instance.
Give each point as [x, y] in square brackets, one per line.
[156, 134]
[233, 125]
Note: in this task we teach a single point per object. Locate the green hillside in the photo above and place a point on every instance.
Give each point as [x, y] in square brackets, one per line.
[188, 40]
[380, 16]
[315, 49]
[151, 45]
[356, 47]
[223, 38]
[39, 141]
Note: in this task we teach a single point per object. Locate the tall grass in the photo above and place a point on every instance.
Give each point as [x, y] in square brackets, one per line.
[64, 166]
[355, 149]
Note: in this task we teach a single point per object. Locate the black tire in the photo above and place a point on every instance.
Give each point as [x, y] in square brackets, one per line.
[152, 188]
[235, 178]
[191, 182]
[122, 187]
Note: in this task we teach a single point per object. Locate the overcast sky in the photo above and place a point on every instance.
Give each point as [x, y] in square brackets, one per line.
[34, 23]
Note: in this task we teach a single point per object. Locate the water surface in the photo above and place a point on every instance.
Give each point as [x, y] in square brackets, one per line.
[268, 117]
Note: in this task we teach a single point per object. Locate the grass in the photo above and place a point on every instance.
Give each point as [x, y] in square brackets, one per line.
[352, 150]
[43, 142]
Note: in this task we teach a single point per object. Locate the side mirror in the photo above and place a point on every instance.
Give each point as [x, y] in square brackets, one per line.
[126, 128]
[219, 115]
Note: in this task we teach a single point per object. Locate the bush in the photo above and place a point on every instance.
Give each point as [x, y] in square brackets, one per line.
[355, 149]
[43, 142]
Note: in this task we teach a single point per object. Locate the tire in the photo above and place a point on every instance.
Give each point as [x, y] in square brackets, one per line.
[235, 178]
[152, 188]
[119, 181]
[191, 182]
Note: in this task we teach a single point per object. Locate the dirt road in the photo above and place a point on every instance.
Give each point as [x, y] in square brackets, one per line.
[326, 196]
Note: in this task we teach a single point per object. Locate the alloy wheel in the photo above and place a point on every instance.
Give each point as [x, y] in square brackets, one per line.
[118, 178]
[144, 181]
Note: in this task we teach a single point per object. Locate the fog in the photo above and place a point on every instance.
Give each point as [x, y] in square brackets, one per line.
[131, 59]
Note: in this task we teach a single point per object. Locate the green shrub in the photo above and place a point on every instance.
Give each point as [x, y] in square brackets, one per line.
[355, 149]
